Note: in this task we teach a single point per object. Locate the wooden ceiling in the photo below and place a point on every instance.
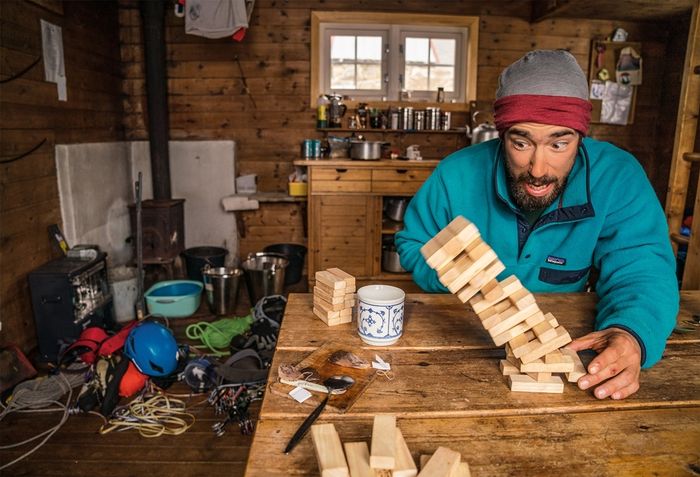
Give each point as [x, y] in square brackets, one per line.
[622, 10]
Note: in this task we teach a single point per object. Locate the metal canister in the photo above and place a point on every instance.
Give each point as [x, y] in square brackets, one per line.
[394, 121]
[307, 148]
[428, 121]
[418, 120]
[435, 120]
[407, 118]
[446, 120]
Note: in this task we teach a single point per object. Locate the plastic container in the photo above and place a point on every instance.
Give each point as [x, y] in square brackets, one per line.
[125, 290]
[174, 298]
[264, 274]
[196, 258]
[221, 285]
[296, 254]
[297, 189]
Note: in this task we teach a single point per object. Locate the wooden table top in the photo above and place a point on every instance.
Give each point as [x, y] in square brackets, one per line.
[448, 391]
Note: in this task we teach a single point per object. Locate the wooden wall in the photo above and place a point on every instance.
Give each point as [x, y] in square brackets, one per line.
[30, 112]
[208, 99]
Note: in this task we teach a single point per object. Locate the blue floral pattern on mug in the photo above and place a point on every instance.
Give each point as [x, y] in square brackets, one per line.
[380, 322]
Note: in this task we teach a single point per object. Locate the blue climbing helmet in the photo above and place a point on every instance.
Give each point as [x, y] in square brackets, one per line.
[152, 348]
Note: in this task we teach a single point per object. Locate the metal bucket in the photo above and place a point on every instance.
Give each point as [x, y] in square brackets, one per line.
[264, 274]
[221, 285]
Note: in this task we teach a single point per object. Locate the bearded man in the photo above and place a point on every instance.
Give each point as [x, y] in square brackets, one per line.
[555, 205]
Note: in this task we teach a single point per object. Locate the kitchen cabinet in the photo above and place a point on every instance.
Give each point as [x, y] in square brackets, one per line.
[347, 226]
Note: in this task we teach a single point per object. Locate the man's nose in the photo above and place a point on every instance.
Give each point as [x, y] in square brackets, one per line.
[538, 164]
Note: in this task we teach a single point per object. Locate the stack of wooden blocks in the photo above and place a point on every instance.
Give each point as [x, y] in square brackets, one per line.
[468, 267]
[389, 455]
[334, 296]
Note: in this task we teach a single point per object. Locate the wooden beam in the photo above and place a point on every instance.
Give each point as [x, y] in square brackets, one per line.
[551, 8]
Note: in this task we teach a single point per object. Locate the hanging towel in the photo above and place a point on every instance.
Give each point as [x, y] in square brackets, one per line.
[215, 18]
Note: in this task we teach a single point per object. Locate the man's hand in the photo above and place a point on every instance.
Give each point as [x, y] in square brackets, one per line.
[617, 365]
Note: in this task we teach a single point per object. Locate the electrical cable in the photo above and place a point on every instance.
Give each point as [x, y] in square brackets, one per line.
[216, 336]
[37, 395]
[156, 416]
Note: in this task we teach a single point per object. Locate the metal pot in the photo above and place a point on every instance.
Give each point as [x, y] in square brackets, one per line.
[483, 132]
[366, 150]
[391, 262]
[395, 208]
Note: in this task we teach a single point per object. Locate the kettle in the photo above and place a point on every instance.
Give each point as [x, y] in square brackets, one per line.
[483, 132]
[336, 111]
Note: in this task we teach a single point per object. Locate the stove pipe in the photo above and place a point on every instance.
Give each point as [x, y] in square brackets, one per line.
[153, 16]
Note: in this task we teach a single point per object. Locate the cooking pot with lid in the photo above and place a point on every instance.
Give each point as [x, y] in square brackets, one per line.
[366, 150]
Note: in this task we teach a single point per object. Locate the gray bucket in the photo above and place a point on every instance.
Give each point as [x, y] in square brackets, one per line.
[221, 285]
[264, 274]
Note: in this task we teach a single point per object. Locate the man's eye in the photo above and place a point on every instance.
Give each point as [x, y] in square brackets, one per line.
[519, 144]
[560, 145]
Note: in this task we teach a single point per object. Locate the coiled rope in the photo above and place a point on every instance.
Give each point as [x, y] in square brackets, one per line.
[156, 416]
[216, 336]
[36, 395]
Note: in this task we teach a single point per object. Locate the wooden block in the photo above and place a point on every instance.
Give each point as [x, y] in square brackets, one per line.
[452, 270]
[405, 467]
[540, 366]
[509, 285]
[327, 306]
[349, 279]
[383, 454]
[579, 368]
[330, 298]
[496, 309]
[490, 272]
[442, 463]
[478, 250]
[552, 321]
[331, 281]
[461, 471]
[557, 356]
[511, 317]
[541, 349]
[508, 368]
[470, 271]
[521, 340]
[525, 384]
[492, 290]
[522, 298]
[487, 274]
[449, 242]
[329, 451]
[357, 455]
[544, 332]
[540, 377]
[519, 329]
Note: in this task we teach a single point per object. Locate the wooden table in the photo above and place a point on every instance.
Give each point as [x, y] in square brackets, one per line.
[448, 391]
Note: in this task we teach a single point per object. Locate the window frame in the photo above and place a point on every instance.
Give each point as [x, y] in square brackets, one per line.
[415, 22]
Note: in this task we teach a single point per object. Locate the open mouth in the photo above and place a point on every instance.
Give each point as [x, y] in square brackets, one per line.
[538, 190]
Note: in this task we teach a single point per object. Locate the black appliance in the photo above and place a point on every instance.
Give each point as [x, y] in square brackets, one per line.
[68, 295]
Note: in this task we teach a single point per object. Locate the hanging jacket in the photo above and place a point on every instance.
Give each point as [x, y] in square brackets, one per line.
[607, 217]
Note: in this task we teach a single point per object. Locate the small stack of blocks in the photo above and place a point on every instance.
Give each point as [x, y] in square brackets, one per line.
[334, 296]
[389, 455]
[468, 267]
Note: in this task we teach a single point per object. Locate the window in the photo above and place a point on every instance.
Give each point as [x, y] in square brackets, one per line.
[382, 56]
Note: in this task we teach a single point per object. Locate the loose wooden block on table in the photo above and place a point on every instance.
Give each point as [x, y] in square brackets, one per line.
[508, 368]
[405, 466]
[330, 280]
[357, 455]
[329, 451]
[349, 279]
[443, 462]
[383, 451]
[462, 469]
[526, 384]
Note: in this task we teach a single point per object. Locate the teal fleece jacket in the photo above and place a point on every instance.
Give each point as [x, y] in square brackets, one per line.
[607, 217]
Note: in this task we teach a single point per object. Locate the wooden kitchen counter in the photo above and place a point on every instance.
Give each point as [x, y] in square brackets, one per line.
[448, 391]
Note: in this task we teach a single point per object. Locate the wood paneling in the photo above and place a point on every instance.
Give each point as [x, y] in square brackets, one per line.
[29, 113]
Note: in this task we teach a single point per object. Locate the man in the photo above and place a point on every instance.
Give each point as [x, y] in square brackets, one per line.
[553, 204]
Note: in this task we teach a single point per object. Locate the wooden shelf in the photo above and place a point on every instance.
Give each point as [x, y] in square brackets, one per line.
[394, 131]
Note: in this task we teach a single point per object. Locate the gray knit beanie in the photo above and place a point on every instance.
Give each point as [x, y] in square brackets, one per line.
[544, 86]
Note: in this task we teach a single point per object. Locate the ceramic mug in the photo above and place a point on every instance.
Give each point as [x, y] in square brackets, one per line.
[380, 314]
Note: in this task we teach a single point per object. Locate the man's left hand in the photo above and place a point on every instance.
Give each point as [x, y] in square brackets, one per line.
[617, 365]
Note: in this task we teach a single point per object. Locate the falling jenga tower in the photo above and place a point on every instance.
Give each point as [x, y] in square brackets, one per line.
[468, 267]
[334, 296]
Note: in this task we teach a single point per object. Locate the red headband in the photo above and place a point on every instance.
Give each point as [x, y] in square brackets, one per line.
[567, 111]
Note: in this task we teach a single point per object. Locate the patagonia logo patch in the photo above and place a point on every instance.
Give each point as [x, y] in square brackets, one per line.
[556, 260]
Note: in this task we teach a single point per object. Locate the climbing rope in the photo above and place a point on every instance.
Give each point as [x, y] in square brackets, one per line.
[156, 416]
[216, 336]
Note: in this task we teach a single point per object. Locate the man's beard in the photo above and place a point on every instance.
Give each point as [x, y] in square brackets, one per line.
[527, 202]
